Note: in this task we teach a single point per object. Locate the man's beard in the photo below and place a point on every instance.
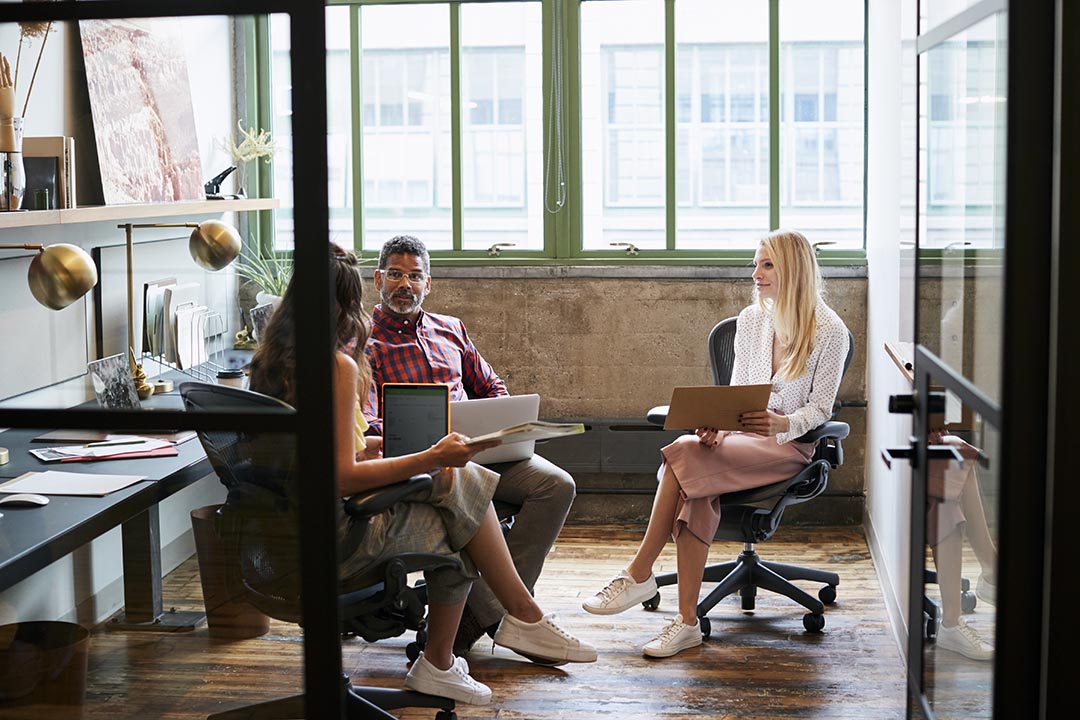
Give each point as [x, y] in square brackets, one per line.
[402, 302]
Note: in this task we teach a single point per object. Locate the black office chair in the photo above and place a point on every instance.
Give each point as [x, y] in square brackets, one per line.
[259, 531]
[740, 521]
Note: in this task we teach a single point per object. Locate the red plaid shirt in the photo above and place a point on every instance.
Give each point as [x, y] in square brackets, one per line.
[436, 350]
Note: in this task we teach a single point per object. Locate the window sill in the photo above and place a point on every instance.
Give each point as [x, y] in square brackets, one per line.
[636, 272]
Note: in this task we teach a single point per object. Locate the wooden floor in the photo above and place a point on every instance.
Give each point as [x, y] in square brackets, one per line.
[760, 665]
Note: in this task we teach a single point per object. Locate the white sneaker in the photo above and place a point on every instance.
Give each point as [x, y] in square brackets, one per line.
[622, 593]
[986, 590]
[542, 639]
[675, 638]
[963, 639]
[455, 683]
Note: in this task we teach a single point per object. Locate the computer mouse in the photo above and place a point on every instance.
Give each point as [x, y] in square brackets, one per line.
[24, 500]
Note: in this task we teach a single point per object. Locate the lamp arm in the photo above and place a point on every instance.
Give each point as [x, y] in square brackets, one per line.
[32, 246]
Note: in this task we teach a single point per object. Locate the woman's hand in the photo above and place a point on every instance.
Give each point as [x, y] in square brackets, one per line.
[454, 450]
[372, 448]
[708, 436]
[765, 422]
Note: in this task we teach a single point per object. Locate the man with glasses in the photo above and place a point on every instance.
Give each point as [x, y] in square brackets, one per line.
[410, 345]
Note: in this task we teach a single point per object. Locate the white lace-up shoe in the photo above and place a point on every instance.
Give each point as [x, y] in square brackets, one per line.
[455, 683]
[620, 594]
[964, 639]
[542, 639]
[675, 638]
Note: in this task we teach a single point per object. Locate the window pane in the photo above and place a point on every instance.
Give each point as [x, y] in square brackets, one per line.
[722, 75]
[405, 89]
[821, 123]
[502, 125]
[622, 117]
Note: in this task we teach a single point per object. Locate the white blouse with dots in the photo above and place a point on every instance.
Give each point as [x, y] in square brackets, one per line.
[808, 399]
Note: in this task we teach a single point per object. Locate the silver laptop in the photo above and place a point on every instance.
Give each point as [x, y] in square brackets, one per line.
[485, 415]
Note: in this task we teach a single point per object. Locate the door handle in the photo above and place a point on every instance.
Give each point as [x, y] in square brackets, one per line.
[907, 404]
[933, 452]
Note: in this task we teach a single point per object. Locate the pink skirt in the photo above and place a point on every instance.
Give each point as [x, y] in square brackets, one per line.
[739, 462]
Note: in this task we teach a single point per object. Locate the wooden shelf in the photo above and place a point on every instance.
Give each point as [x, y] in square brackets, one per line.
[107, 213]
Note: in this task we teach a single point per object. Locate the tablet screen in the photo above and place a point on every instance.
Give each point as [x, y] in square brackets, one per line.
[415, 416]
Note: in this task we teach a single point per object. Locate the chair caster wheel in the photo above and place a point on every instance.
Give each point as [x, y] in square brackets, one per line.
[706, 626]
[968, 601]
[827, 594]
[813, 622]
[446, 715]
[652, 603]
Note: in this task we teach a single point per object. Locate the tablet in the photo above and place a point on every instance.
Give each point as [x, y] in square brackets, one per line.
[715, 406]
[415, 416]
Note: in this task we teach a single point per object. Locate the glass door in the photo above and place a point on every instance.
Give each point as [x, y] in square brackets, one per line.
[983, 300]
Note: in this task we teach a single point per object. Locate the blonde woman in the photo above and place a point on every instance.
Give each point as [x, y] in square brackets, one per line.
[788, 337]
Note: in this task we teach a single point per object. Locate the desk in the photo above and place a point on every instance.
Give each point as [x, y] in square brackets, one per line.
[32, 538]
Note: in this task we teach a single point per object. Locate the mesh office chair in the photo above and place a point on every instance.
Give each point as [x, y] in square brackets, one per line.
[741, 521]
[259, 531]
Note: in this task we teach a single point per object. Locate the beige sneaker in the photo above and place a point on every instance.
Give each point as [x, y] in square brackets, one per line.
[964, 639]
[455, 683]
[675, 638]
[622, 593]
[543, 640]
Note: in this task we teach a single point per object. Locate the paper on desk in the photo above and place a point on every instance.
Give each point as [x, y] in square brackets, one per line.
[117, 447]
[52, 482]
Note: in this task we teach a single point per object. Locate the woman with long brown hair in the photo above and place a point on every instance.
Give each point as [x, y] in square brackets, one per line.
[789, 338]
[455, 519]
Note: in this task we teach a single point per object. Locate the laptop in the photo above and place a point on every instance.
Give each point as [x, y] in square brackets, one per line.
[415, 416]
[485, 415]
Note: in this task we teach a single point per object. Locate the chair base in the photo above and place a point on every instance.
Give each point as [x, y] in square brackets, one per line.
[361, 703]
[749, 572]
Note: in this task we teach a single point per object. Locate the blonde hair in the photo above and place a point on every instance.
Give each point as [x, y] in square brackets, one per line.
[795, 306]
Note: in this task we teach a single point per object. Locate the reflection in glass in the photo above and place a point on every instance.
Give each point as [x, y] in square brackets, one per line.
[961, 202]
[961, 531]
[622, 111]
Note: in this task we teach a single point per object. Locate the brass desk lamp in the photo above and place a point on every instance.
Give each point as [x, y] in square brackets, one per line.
[59, 275]
[213, 246]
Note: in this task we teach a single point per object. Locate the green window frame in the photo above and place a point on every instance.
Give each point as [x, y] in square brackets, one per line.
[562, 231]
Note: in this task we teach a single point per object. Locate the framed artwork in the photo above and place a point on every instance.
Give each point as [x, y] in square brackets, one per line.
[260, 316]
[140, 99]
[113, 386]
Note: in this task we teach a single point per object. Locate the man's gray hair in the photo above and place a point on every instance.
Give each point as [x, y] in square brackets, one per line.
[405, 245]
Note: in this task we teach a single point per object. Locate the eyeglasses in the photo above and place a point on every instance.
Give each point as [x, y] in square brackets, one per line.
[396, 275]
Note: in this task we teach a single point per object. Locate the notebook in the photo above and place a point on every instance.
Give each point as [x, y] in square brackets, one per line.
[415, 416]
[488, 415]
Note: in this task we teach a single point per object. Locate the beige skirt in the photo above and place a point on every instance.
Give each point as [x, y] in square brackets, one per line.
[441, 521]
[740, 461]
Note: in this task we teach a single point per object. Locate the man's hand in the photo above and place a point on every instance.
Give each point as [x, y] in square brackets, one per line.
[765, 422]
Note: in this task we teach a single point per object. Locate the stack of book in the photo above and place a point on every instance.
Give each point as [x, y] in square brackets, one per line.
[50, 166]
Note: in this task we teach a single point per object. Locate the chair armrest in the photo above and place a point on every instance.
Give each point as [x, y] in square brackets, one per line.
[658, 415]
[830, 429]
[374, 501]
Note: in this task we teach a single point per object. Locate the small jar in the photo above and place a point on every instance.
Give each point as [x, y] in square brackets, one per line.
[232, 377]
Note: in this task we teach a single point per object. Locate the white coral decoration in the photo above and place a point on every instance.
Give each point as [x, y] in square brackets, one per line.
[252, 147]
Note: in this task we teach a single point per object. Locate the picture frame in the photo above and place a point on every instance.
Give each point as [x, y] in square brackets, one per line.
[49, 163]
[260, 317]
[113, 386]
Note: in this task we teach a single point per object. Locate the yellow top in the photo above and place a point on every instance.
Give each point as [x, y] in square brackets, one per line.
[359, 429]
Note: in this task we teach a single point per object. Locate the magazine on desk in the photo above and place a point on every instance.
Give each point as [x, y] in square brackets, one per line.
[536, 430]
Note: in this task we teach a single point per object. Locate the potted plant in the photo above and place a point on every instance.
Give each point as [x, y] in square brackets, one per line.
[270, 274]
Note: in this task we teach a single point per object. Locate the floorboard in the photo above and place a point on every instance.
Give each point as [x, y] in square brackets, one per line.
[755, 665]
